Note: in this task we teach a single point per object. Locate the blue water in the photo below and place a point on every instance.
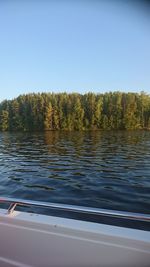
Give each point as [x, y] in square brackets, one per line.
[98, 169]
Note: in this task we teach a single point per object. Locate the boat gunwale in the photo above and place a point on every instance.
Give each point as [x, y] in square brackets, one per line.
[73, 208]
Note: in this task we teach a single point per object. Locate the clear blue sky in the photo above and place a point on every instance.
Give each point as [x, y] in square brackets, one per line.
[73, 46]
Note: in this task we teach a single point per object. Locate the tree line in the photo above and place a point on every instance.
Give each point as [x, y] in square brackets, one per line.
[63, 111]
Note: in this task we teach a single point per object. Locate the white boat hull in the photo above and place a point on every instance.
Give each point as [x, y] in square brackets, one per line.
[44, 241]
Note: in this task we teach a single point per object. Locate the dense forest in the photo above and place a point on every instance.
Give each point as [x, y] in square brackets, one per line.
[62, 111]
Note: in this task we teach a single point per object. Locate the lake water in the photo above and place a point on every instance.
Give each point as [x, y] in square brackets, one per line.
[98, 169]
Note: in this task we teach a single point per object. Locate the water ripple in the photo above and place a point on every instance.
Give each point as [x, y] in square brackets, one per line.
[99, 169]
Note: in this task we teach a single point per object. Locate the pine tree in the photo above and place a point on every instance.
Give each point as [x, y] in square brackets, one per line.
[48, 121]
[4, 117]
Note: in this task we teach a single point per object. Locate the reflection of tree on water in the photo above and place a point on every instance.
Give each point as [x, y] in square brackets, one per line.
[54, 143]
[75, 143]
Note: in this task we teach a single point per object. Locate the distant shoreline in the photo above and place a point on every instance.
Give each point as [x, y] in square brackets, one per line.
[76, 112]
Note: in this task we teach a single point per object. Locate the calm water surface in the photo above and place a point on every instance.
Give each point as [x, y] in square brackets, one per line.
[99, 169]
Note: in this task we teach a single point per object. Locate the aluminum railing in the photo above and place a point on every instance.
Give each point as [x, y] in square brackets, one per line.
[72, 208]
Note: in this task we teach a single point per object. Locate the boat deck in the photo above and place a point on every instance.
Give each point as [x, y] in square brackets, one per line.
[29, 239]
